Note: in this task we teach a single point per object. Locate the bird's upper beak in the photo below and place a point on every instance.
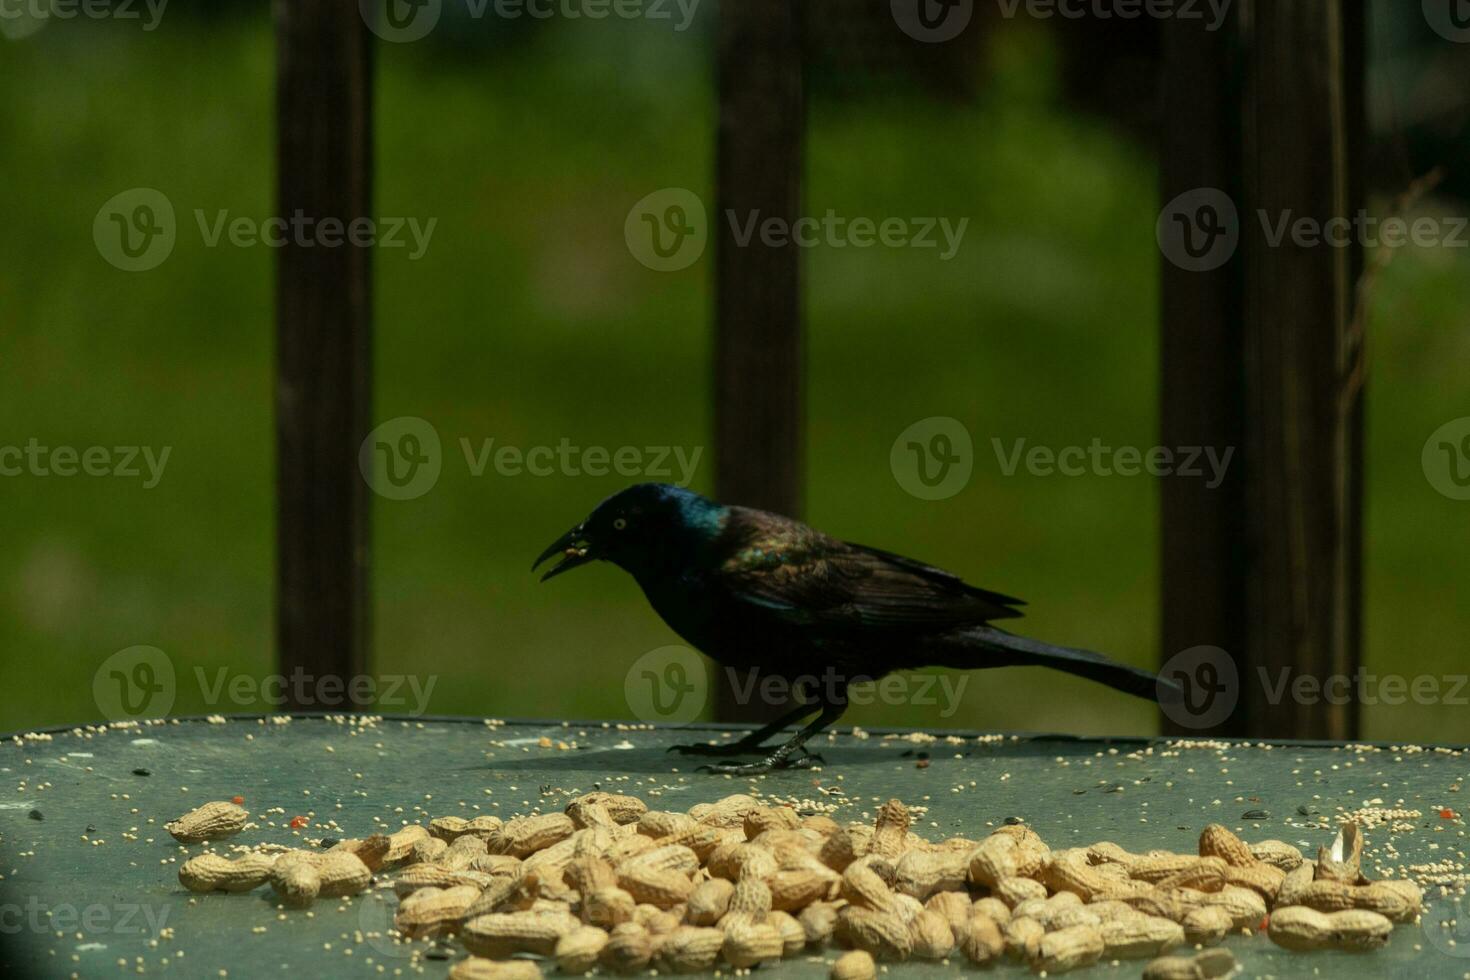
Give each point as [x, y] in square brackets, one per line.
[574, 548]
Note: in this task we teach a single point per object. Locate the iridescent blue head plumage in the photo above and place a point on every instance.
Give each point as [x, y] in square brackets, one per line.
[647, 527]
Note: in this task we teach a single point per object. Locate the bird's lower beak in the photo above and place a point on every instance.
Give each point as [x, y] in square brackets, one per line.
[574, 549]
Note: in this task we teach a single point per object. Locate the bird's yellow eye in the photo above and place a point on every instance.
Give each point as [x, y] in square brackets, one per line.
[619, 523]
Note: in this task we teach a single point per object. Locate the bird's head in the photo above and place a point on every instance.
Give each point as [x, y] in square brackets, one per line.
[641, 529]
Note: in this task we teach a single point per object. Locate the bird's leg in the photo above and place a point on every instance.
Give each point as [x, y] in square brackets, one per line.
[753, 742]
[781, 758]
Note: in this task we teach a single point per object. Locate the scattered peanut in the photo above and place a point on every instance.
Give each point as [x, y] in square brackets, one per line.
[1207, 925]
[1208, 965]
[1301, 928]
[856, 965]
[211, 872]
[691, 949]
[476, 968]
[212, 821]
[609, 884]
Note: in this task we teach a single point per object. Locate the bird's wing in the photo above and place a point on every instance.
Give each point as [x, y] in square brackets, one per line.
[806, 578]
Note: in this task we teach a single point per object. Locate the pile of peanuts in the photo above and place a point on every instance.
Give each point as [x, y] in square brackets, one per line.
[610, 883]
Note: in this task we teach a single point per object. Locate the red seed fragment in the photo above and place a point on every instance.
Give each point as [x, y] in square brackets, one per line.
[298, 822]
[1447, 814]
[237, 800]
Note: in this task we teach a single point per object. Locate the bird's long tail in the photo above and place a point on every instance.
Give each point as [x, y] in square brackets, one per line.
[987, 646]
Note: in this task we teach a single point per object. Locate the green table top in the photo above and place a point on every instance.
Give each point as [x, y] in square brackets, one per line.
[90, 888]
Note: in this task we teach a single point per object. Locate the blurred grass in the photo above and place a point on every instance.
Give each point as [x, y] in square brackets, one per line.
[527, 321]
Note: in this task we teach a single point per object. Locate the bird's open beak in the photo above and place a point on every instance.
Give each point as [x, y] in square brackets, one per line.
[574, 549]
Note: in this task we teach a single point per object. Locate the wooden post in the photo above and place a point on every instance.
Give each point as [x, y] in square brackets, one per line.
[323, 336]
[1201, 347]
[758, 350]
[1261, 354]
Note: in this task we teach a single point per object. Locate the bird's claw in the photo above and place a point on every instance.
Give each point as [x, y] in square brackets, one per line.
[715, 748]
[759, 768]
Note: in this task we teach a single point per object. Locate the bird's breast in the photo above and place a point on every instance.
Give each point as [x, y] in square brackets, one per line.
[707, 618]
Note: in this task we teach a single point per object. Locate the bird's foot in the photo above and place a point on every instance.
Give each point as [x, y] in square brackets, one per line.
[772, 764]
[717, 748]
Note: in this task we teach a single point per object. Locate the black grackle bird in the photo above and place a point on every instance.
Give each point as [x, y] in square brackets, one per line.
[760, 591]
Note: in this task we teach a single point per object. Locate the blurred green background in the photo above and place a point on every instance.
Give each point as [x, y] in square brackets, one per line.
[528, 321]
